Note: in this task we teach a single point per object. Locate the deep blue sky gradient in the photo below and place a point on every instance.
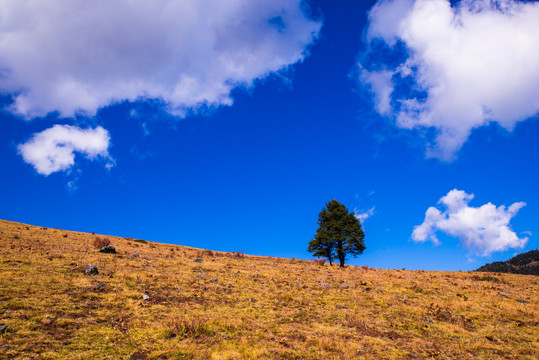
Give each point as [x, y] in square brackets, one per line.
[254, 176]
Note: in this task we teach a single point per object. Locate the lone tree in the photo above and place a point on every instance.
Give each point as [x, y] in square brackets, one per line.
[339, 234]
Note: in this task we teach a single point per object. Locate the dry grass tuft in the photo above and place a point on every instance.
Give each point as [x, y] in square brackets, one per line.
[193, 327]
[100, 242]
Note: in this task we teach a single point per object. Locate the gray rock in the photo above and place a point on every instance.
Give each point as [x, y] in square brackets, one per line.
[3, 328]
[198, 259]
[90, 270]
[145, 297]
[502, 295]
[135, 256]
[253, 300]
[214, 280]
[179, 288]
[108, 249]
[228, 285]
[522, 301]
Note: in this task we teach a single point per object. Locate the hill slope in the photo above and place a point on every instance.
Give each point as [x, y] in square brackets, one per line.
[153, 301]
[526, 263]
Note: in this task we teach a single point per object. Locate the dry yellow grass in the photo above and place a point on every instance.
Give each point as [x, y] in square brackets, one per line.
[246, 307]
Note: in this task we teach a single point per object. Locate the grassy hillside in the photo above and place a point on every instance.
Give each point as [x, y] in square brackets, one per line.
[164, 305]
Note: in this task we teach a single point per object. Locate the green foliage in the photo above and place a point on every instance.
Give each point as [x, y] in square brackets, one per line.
[339, 234]
[526, 264]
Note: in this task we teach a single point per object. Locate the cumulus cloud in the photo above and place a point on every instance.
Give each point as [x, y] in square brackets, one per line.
[453, 68]
[75, 56]
[363, 215]
[482, 230]
[54, 149]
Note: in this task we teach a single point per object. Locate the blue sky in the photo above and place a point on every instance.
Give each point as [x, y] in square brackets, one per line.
[195, 129]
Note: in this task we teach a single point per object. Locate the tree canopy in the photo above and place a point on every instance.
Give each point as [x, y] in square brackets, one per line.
[339, 234]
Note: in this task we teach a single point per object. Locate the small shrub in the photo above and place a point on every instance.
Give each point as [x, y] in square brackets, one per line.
[239, 254]
[140, 241]
[364, 267]
[100, 242]
[320, 261]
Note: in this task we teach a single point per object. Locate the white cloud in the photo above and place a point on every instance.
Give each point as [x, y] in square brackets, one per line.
[54, 149]
[364, 215]
[471, 64]
[385, 18]
[382, 87]
[76, 56]
[482, 230]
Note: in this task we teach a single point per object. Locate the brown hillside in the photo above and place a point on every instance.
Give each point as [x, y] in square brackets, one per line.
[164, 305]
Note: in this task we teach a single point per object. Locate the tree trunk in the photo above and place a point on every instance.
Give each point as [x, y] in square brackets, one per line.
[341, 260]
[340, 253]
[330, 262]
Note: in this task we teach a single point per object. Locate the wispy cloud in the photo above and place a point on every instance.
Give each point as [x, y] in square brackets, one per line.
[482, 230]
[54, 149]
[362, 216]
[453, 68]
[73, 184]
[75, 56]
